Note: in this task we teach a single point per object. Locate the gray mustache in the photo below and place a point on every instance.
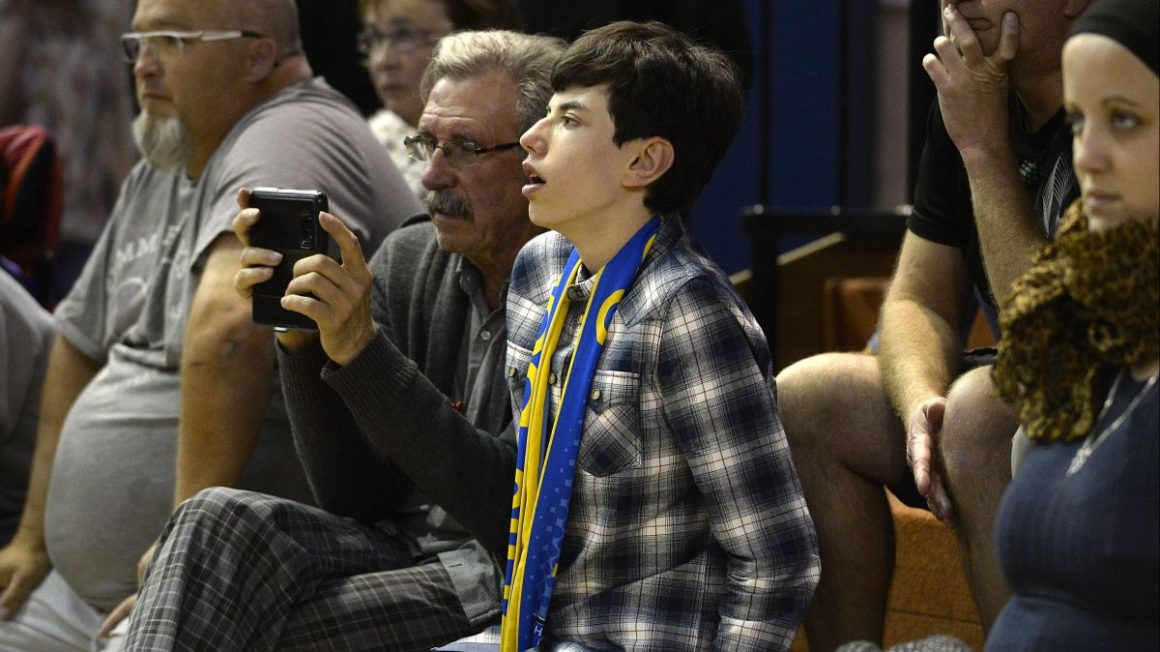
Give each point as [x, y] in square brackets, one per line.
[447, 203]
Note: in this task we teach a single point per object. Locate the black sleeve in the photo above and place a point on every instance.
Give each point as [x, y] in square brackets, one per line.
[942, 195]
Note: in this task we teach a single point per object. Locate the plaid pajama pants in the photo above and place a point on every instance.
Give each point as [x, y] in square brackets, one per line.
[237, 570]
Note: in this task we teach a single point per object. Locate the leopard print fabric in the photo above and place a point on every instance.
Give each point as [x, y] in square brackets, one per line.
[1090, 301]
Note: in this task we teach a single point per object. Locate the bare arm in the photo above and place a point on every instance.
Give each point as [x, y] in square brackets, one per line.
[921, 345]
[973, 95]
[1009, 229]
[24, 562]
[921, 349]
[226, 365]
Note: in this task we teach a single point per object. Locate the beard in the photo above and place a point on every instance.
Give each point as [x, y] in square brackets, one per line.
[164, 142]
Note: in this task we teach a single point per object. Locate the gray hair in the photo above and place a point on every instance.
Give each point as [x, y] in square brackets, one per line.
[526, 58]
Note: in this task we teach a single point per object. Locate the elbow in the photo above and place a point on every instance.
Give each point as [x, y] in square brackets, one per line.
[223, 332]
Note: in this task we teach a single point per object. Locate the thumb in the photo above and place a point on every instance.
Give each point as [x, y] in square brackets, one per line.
[934, 414]
[143, 562]
[1008, 39]
[14, 596]
[119, 613]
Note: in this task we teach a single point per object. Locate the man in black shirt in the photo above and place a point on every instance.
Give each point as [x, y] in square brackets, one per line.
[994, 176]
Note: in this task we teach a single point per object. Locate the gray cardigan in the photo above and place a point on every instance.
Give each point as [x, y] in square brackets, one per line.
[379, 435]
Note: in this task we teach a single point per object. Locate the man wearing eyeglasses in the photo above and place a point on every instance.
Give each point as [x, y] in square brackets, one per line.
[159, 383]
[410, 348]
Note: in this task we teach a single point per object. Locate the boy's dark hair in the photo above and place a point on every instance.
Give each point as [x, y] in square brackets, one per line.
[661, 83]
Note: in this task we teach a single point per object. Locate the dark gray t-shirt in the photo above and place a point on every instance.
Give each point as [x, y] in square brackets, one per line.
[113, 477]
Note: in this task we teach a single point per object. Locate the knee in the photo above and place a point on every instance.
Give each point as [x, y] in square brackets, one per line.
[796, 392]
[810, 391]
[977, 427]
[219, 508]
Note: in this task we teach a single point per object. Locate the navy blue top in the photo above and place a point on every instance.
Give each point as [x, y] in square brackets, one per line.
[1081, 552]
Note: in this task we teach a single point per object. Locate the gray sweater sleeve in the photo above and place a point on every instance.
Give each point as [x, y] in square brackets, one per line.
[406, 419]
[346, 475]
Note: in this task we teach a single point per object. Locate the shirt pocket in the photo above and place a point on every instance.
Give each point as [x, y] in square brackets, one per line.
[610, 443]
[516, 375]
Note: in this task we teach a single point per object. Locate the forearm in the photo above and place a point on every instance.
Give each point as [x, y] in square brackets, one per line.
[920, 349]
[920, 353]
[69, 371]
[346, 474]
[227, 363]
[1009, 230]
[409, 421]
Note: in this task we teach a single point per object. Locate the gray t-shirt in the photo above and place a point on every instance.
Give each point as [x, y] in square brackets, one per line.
[26, 334]
[113, 478]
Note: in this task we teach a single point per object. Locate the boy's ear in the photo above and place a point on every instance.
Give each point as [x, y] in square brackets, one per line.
[262, 59]
[654, 157]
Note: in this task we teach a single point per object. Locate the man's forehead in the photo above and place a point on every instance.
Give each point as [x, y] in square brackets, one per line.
[199, 14]
[472, 108]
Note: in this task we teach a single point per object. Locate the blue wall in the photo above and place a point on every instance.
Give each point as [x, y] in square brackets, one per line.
[795, 47]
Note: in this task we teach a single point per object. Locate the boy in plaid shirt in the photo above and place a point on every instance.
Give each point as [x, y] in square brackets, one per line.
[656, 504]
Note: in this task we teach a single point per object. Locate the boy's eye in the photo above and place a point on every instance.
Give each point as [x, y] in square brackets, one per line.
[568, 121]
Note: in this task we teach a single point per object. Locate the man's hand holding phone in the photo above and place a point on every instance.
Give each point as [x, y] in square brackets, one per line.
[335, 295]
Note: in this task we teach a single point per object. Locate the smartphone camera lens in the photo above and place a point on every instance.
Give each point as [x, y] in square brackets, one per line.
[307, 222]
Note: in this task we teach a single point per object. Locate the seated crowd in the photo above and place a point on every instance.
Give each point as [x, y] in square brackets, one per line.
[511, 310]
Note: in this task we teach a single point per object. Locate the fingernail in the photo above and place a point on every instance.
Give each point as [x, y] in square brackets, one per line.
[1011, 19]
[949, 11]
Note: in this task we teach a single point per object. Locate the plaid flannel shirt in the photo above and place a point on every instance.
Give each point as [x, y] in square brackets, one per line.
[687, 528]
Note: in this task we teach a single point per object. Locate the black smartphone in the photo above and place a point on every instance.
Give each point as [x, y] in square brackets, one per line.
[289, 225]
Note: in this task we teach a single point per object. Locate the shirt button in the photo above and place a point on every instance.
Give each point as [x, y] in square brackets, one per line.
[595, 395]
[485, 335]
[512, 372]
[552, 379]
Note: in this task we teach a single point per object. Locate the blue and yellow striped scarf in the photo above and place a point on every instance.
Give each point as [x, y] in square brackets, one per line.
[546, 458]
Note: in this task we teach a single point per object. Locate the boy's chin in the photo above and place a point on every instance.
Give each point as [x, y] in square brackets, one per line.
[539, 216]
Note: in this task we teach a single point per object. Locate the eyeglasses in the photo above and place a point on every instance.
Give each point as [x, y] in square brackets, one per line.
[402, 39]
[458, 154]
[165, 43]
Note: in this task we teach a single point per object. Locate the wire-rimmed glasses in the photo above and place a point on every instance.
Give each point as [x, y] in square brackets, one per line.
[422, 147]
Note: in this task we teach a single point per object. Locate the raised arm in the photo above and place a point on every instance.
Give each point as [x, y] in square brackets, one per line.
[404, 428]
[974, 91]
